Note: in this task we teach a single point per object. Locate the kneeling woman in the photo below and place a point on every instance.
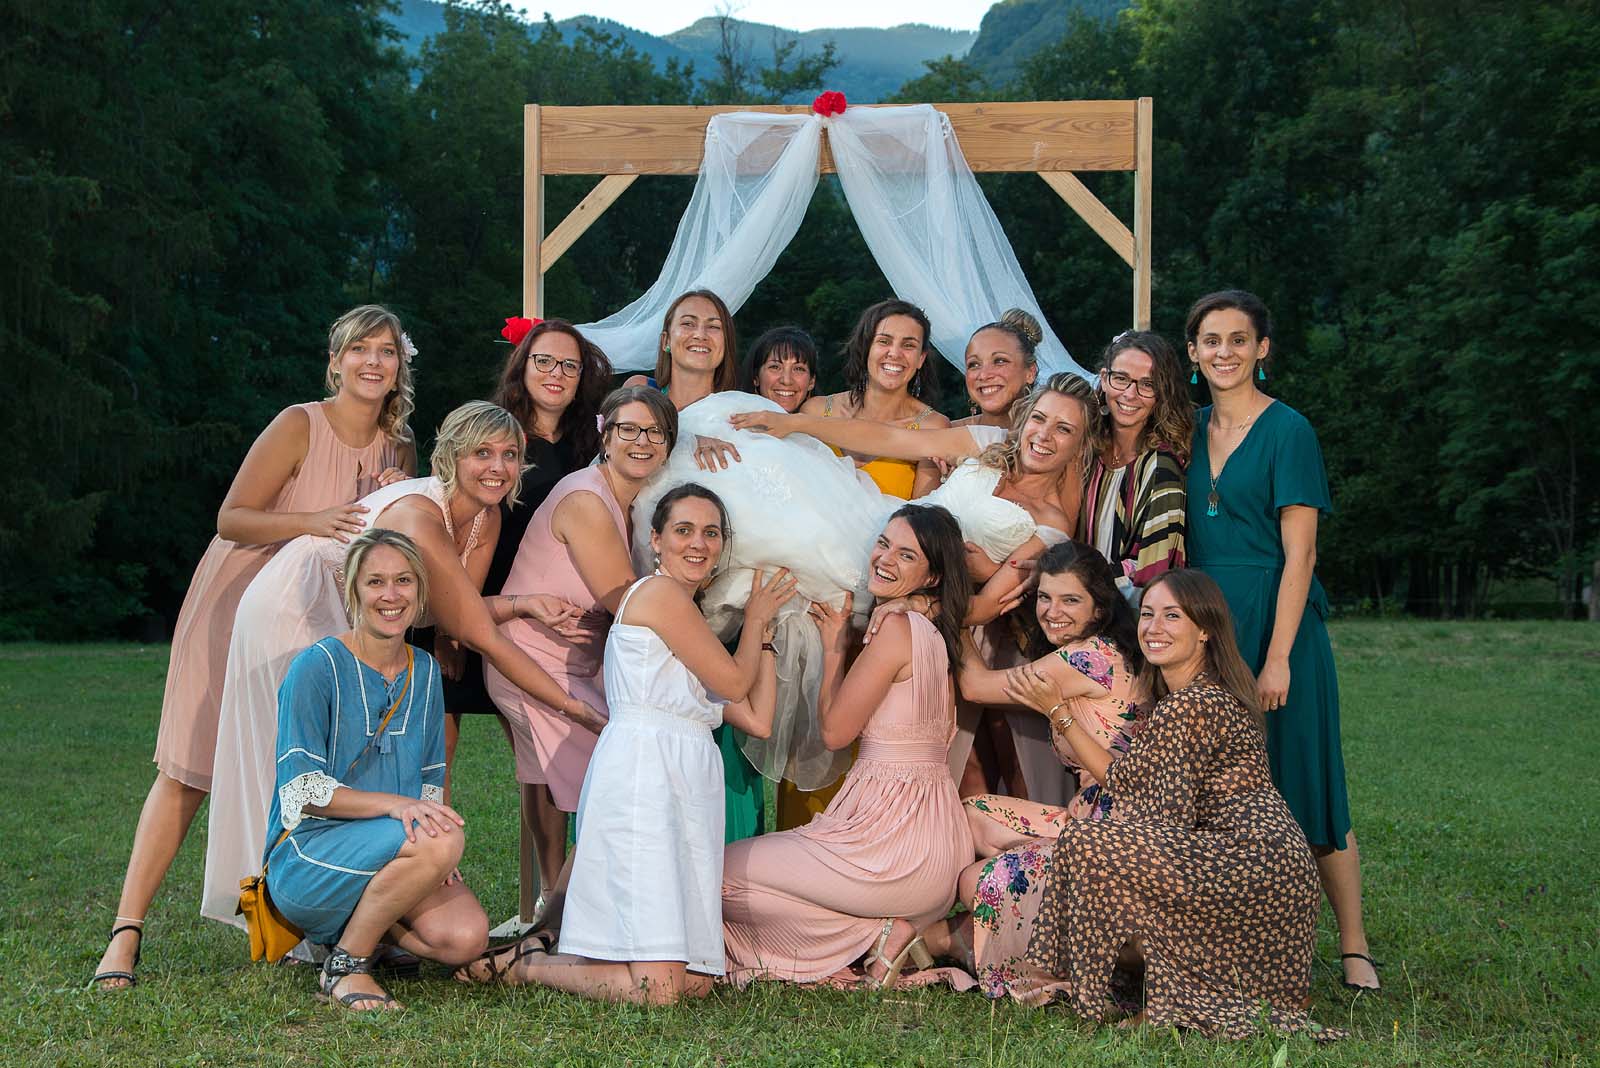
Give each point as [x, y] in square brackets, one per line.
[642, 921]
[881, 861]
[372, 853]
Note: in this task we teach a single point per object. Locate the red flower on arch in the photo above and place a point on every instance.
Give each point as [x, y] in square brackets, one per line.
[829, 103]
[517, 328]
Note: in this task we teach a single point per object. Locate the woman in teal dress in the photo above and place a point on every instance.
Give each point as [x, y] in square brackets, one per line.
[1256, 489]
[361, 843]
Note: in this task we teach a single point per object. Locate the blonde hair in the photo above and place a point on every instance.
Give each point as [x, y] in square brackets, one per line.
[1002, 455]
[463, 430]
[355, 558]
[364, 321]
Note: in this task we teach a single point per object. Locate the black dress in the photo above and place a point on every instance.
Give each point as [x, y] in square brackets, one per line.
[550, 464]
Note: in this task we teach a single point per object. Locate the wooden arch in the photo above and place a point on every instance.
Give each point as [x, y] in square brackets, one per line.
[1050, 138]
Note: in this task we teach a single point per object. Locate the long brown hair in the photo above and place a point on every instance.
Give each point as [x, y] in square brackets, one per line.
[939, 537]
[1113, 616]
[1200, 598]
[924, 384]
[364, 321]
[727, 372]
[1171, 422]
[577, 424]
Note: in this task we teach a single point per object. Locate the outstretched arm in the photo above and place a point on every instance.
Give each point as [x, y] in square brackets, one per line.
[863, 435]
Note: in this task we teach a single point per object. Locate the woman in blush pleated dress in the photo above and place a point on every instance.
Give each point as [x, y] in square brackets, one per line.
[362, 847]
[303, 475]
[454, 517]
[643, 920]
[881, 861]
[576, 547]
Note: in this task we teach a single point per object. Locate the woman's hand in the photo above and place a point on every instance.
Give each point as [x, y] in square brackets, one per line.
[581, 713]
[920, 603]
[1273, 684]
[767, 597]
[434, 818]
[1031, 688]
[714, 454]
[833, 623]
[450, 656]
[338, 522]
[559, 614]
[391, 475]
[775, 424]
[453, 878]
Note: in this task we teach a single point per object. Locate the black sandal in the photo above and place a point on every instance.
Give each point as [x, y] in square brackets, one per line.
[138, 949]
[538, 943]
[341, 963]
[1357, 986]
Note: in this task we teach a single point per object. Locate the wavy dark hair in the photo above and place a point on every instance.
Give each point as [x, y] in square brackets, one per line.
[1201, 599]
[728, 370]
[925, 384]
[939, 537]
[1113, 616]
[784, 340]
[1171, 422]
[577, 424]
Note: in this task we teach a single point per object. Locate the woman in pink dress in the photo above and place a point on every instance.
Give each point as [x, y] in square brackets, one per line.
[454, 518]
[301, 476]
[881, 861]
[576, 548]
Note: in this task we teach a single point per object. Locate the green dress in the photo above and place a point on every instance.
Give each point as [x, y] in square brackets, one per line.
[1278, 464]
[744, 798]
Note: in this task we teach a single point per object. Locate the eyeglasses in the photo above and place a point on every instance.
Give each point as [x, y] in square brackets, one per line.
[546, 363]
[1119, 382]
[631, 432]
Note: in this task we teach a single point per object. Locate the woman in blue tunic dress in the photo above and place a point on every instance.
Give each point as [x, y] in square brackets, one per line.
[362, 846]
[1256, 489]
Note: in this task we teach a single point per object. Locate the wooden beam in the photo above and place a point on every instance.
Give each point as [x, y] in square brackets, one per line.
[1144, 157]
[1060, 135]
[532, 221]
[1093, 212]
[582, 217]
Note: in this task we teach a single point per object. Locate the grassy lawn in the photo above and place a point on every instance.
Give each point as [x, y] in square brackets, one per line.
[1474, 759]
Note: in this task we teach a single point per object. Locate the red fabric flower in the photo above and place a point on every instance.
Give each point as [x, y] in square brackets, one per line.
[829, 103]
[517, 328]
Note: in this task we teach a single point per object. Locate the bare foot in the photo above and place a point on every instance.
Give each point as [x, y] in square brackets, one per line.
[121, 955]
[503, 964]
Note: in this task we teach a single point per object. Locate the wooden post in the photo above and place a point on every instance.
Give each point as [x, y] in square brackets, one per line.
[532, 214]
[1144, 159]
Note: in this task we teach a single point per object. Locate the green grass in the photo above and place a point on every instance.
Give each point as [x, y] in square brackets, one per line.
[1472, 751]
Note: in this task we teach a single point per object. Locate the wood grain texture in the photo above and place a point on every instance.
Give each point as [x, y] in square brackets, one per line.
[532, 223]
[1093, 212]
[1057, 135]
[1143, 185]
[580, 218]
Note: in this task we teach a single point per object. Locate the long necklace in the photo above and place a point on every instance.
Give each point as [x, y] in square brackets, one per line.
[472, 535]
[1213, 499]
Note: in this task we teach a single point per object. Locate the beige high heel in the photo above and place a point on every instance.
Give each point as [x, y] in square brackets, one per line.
[916, 950]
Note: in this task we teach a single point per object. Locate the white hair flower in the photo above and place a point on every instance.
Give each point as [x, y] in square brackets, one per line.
[407, 347]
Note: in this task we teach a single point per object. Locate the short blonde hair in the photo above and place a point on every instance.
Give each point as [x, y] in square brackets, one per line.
[469, 426]
[355, 558]
[364, 321]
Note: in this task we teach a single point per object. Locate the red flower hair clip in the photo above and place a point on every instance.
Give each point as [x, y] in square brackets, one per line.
[829, 103]
[517, 328]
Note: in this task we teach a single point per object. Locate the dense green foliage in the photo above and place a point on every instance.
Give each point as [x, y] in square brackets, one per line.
[1481, 908]
[193, 191]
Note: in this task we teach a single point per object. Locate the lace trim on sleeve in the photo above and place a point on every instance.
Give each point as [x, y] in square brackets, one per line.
[433, 793]
[312, 788]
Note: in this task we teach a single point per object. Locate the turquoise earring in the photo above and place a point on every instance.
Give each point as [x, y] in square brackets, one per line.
[1261, 373]
[1194, 375]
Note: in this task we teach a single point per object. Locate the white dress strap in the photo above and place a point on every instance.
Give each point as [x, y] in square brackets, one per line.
[622, 605]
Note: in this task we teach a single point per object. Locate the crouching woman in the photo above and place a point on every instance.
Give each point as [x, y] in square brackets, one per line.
[361, 846]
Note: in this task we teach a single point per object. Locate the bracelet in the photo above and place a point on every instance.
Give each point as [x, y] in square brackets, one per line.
[770, 648]
[514, 605]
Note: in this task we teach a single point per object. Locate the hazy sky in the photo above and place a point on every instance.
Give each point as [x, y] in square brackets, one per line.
[664, 16]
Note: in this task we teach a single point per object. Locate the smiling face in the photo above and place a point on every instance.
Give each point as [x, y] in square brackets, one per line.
[785, 380]
[386, 593]
[1130, 409]
[896, 354]
[1227, 349]
[1052, 435]
[690, 542]
[368, 368]
[695, 335]
[898, 565]
[1064, 608]
[640, 458]
[997, 372]
[551, 391]
[485, 472]
[1170, 639]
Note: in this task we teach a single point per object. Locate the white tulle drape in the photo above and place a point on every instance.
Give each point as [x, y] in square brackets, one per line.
[920, 209]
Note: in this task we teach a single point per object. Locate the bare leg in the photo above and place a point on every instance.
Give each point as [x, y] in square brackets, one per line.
[448, 926]
[549, 829]
[452, 735]
[951, 939]
[1341, 880]
[973, 781]
[635, 982]
[164, 822]
[967, 881]
[990, 837]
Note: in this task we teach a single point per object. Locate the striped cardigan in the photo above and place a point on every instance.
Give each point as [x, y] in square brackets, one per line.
[1148, 516]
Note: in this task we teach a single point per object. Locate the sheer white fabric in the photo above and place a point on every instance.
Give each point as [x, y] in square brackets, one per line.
[312, 788]
[921, 211]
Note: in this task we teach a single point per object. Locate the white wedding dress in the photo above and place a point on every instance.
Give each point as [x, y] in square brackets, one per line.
[793, 503]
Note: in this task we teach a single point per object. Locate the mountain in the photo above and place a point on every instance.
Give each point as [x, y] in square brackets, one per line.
[873, 63]
[1013, 30]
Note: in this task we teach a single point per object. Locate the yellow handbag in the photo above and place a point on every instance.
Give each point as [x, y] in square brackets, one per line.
[271, 936]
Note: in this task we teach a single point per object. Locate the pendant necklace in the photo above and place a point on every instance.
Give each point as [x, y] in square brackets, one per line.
[1213, 499]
